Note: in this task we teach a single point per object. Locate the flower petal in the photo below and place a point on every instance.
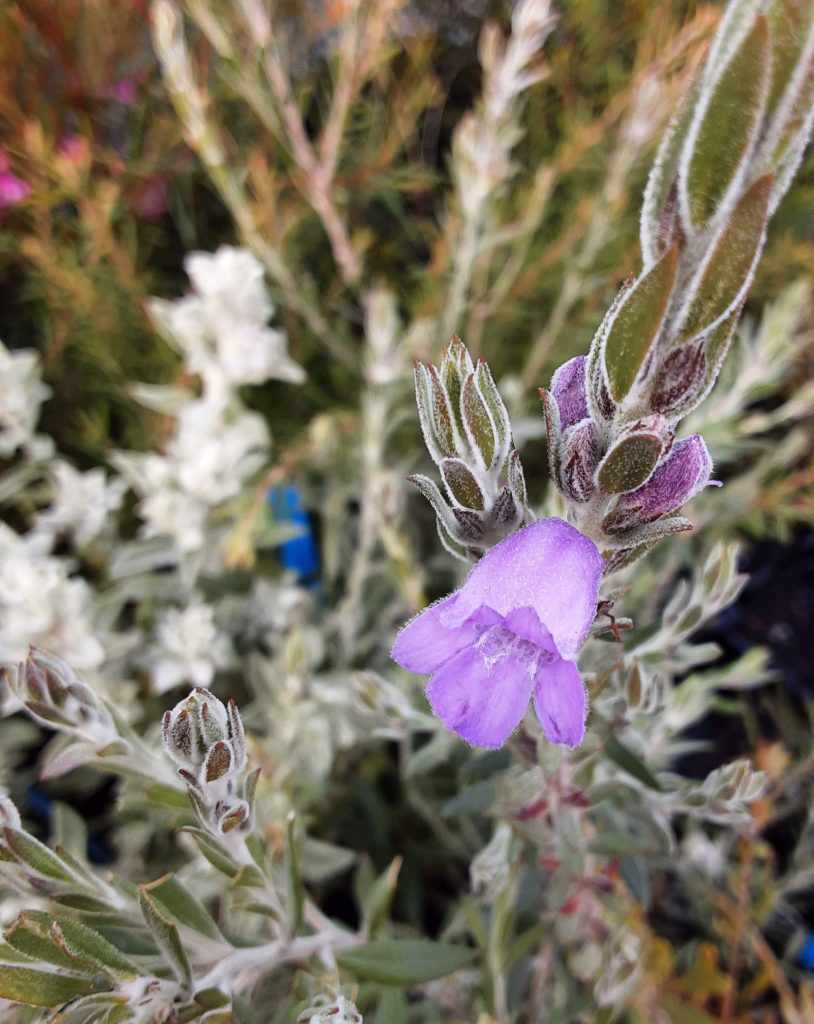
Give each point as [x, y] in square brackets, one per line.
[426, 642]
[481, 698]
[560, 702]
[548, 566]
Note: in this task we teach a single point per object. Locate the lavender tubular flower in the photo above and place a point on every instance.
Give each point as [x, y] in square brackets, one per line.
[511, 633]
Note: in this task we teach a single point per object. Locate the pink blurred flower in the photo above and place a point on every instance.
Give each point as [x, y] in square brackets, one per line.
[13, 190]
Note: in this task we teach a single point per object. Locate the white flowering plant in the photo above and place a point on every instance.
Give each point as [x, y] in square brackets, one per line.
[220, 636]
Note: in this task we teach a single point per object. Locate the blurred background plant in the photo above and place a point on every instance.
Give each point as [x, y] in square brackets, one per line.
[347, 185]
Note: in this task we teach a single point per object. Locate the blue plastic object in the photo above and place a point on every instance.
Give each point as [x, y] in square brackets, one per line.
[806, 955]
[298, 555]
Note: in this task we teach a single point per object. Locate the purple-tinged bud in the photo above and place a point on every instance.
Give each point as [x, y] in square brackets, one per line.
[634, 456]
[579, 455]
[680, 476]
[679, 384]
[568, 391]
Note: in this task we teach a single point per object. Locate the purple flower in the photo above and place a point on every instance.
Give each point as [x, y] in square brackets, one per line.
[568, 391]
[511, 632]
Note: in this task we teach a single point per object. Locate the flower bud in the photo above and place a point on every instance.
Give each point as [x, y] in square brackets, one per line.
[568, 391]
[679, 383]
[468, 434]
[680, 476]
[579, 455]
[634, 455]
[201, 733]
[53, 693]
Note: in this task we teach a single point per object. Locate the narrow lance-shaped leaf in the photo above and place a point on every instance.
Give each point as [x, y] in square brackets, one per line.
[404, 961]
[166, 936]
[488, 391]
[789, 24]
[35, 855]
[636, 324]
[456, 366]
[480, 430]
[661, 185]
[35, 987]
[715, 155]
[177, 901]
[728, 271]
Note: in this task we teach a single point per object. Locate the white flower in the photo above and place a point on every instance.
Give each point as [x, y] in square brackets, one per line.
[208, 460]
[189, 648]
[22, 392]
[81, 504]
[222, 327]
[214, 455]
[41, 605]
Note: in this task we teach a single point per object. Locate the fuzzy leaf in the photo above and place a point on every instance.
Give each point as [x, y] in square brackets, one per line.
[173, 898]
[166, 936]
[659, 208]
[630, 463]
[480, 429]
[405, 961]
[636, 324]
[35, 855]
[462, 484]
[456, 366]
[729, 269]
[36, 987]
[491, 396]
[729, 124]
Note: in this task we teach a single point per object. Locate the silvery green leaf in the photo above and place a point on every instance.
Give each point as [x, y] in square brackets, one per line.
[462, 484]
[488, 391]
[725, 128]
[456, 366]
[479, 428]
[405, 961]
[177, 901]
[722, 281]
[166, 936]
[635, 325]
[36, 986]
[633, 457]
